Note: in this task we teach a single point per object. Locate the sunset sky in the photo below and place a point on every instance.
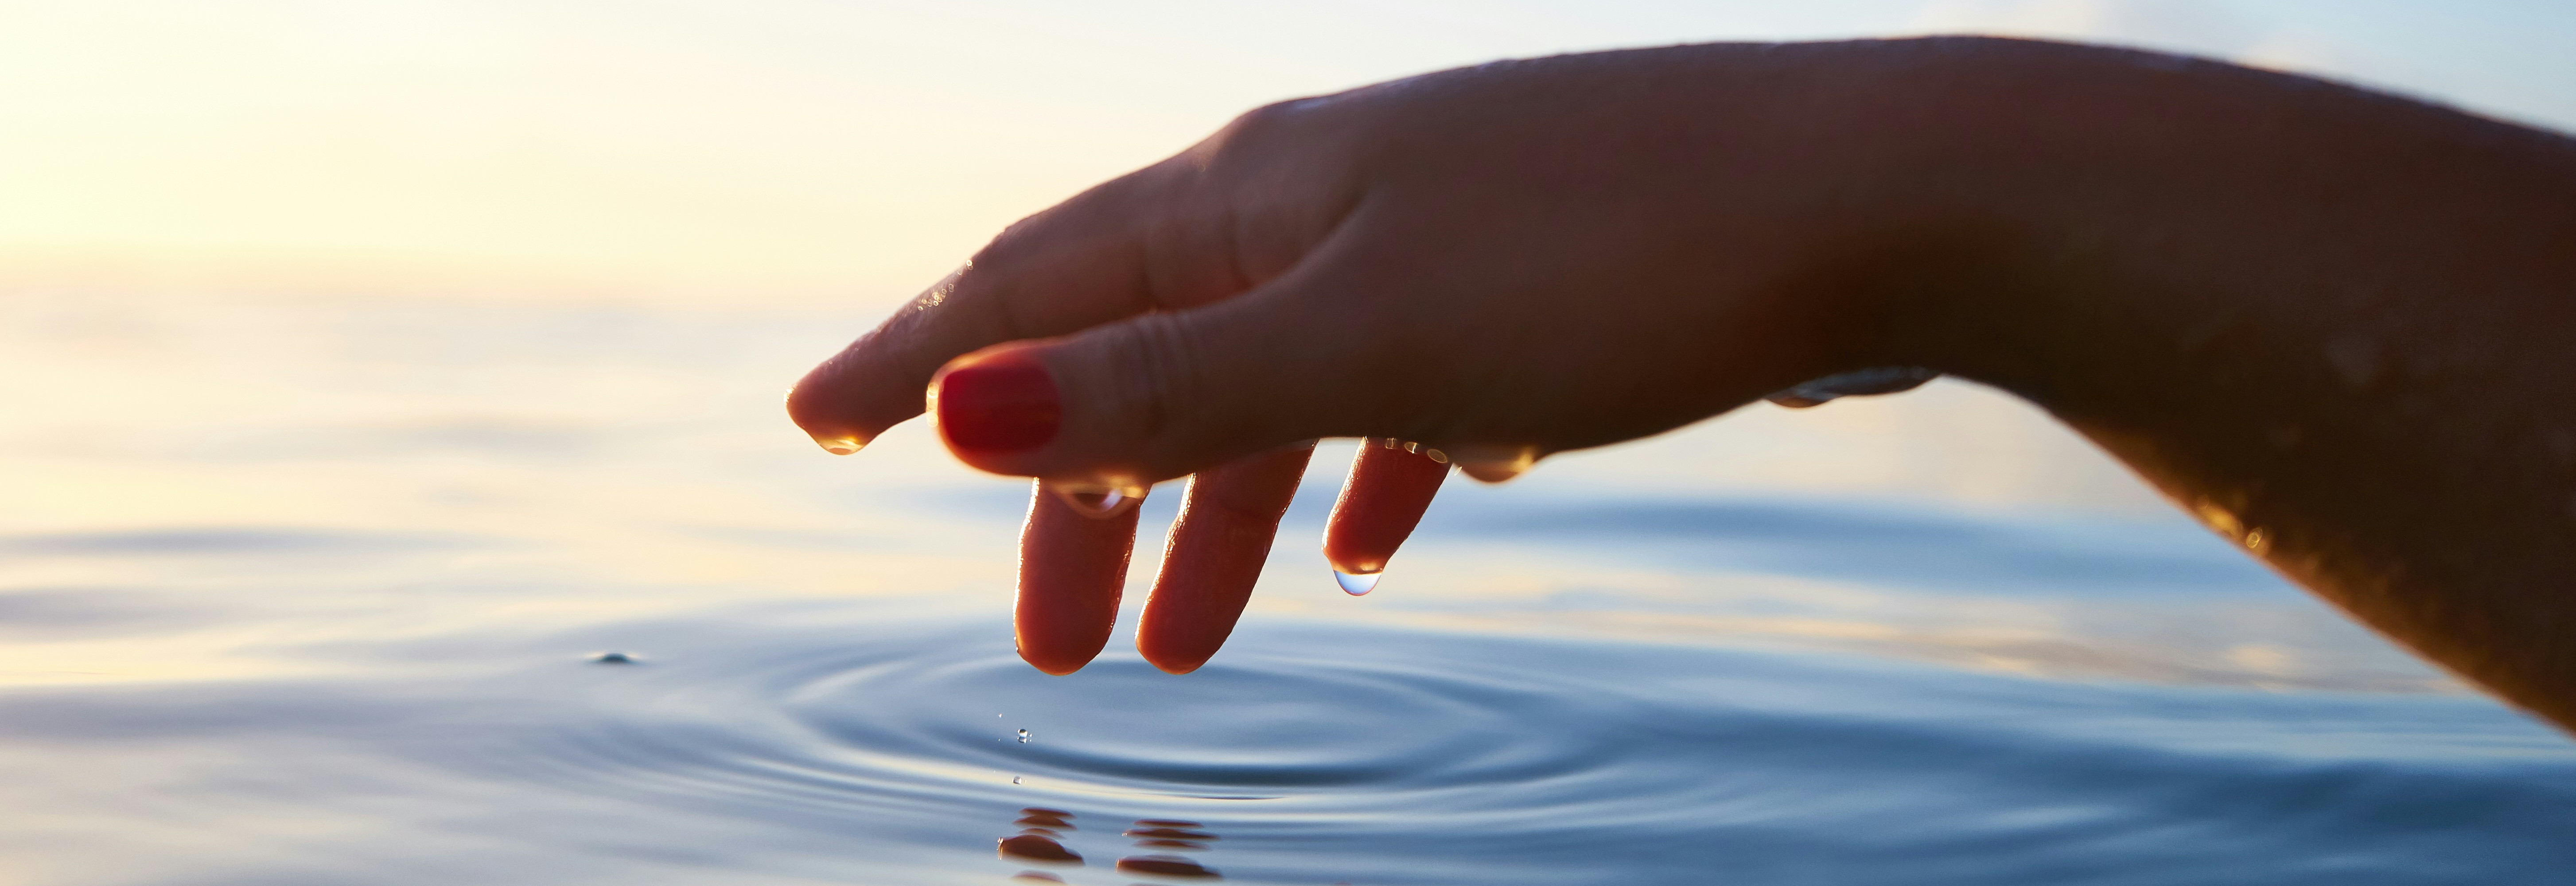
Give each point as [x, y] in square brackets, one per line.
[801, 149]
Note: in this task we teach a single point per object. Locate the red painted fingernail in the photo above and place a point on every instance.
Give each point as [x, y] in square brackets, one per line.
[999, 405]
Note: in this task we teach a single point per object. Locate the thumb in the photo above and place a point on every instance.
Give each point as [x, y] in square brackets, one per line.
[1123, 405]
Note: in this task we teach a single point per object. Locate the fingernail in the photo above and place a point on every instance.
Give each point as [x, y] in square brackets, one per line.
[997, 406]
[1098, 499]
[841, 445]
[1357, 583]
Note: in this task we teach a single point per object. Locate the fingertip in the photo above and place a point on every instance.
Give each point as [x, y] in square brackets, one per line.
[1178, 637]
[824, 416]
[1050, 658]
[1390, 485]
[1054, 667]
[1350, 553]
[1171, 663]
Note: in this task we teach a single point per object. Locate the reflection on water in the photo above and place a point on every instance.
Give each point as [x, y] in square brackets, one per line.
[548, 594]
[1037, 841]
[1043, 830]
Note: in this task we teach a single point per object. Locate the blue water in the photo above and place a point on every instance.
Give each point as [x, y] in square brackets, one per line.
[346, 628]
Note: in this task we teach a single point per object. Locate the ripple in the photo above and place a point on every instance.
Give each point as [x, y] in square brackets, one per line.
[1313, 755]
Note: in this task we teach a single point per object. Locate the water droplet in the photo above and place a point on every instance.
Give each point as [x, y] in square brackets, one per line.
[612, 658]
[2219, 519]
[841, 445]
[1494, 464]
[1437, 455]
[1098, 499]
[1413, 447]
[1356, 584]
[1015, 779]
[1024, 736]
[1857, 383]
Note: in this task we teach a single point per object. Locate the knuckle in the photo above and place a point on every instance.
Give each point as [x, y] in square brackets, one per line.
[1254, 135]
[1160, 370]
[1257, 123]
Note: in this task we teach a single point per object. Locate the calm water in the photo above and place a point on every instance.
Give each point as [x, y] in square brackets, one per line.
[313, 591]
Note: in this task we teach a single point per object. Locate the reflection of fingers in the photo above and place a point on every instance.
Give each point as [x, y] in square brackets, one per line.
[1072, 566]
[1216, 552]
[1391, 484]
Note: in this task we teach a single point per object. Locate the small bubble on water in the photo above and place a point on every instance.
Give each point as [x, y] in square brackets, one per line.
[1356, 584]
[1024, 736]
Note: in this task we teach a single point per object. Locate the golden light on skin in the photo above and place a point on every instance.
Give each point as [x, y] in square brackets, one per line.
[938, 293]
[2226, 523]
[2218, 518]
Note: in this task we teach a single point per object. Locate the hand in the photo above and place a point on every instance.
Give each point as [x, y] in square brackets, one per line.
[1497, 262]
[2331, 324]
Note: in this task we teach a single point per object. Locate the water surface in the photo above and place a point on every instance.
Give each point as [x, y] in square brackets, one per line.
[316, 591]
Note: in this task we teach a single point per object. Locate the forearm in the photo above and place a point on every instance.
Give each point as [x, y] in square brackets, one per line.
[2338, 327]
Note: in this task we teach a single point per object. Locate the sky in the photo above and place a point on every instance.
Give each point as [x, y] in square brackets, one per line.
[800, 150]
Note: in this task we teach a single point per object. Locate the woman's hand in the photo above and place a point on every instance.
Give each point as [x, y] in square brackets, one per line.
[2332, 324]
[1479, 266]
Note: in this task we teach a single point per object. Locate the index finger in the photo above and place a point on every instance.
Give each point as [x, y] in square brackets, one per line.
[1159, 238]
[1081, 249]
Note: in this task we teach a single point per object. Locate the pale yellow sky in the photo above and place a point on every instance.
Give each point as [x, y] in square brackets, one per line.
[427, 146]
[788, 149]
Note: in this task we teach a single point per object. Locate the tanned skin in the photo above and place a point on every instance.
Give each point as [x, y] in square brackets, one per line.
[2337, 326]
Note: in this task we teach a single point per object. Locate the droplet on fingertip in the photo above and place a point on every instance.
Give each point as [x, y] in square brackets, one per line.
[1357, 583]
[1436, 455]
[1494, 464]
[1098, 499]
[1413, 447]
[1858, 383]
[841, 445]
